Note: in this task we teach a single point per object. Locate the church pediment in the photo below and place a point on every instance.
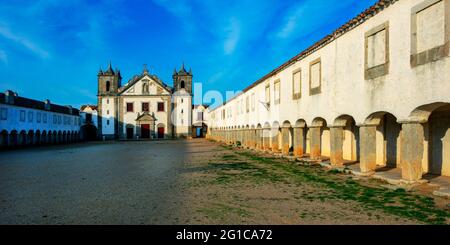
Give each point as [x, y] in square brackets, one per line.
[147, 117]
[145, 85]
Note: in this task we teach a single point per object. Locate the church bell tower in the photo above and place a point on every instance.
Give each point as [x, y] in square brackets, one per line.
[182, 80]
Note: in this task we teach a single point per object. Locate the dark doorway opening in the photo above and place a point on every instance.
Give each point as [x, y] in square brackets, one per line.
[200, 131]
[130, 133]
[89, 132]
[145, 131]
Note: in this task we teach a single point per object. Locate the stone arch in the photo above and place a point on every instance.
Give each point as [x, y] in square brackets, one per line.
[320, 138]
[435, 118]
[37, 137]
[64, 137]
[287, 137]
[319, 122]
[13, 138]
[387, 140]
[300, 123]
[30, 138]
[44, 137]
[22, 138]
[54, 137]
[422, 113]
[301, 138]
[259, 136]
[60, 138]
[276, 137]
[266, 136]
[49, 137]
[4, 139]
[350, 137]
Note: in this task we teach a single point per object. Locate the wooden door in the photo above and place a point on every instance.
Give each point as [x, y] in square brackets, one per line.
[160, 133]
[145, 131]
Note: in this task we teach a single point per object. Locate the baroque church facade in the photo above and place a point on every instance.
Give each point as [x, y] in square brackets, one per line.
[145, 107]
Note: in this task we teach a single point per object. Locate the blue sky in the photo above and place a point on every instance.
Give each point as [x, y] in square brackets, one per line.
[54, 48]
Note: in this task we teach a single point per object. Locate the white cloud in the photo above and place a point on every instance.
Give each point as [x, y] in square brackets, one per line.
[23, 41]
[233, 35]
[303, 19]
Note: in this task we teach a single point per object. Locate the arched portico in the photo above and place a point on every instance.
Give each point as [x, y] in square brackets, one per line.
[4, 139]
[267, 136]
[426, 142]
[276, 137]
[344, 141]
[380, 142]
[300, 142]
[23, 138]
[319, 138]
[286, 138]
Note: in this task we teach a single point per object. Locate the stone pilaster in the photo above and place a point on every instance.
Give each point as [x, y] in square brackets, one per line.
[266, 139]
[367, 134]
[412, 149]
[275, 144]
[315, 142]
[258, 138]
[336, 143]
[285, 140]
[298, 141]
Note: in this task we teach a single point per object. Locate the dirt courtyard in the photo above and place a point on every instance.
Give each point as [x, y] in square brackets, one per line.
[226, 185]
[194, 182]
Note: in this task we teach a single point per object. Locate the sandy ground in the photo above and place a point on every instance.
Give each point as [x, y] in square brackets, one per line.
[192, 182]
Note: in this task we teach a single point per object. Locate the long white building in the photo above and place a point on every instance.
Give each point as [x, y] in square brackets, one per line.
[26, 121]
[376, 92]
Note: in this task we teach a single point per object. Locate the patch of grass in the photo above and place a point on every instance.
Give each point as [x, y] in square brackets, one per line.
[396, 202]
[229, 157]
[221, 211]
[228, 172]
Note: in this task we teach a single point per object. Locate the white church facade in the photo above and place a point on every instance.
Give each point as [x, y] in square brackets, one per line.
[145, 107]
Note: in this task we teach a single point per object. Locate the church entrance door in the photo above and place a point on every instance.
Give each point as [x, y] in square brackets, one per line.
[129, 133]
[145, 131]
[160, 133]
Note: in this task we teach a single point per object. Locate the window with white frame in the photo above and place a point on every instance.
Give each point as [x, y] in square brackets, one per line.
[38, 117]
[44, 118]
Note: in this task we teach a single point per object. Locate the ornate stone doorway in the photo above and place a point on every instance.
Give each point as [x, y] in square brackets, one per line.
[146, 124]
